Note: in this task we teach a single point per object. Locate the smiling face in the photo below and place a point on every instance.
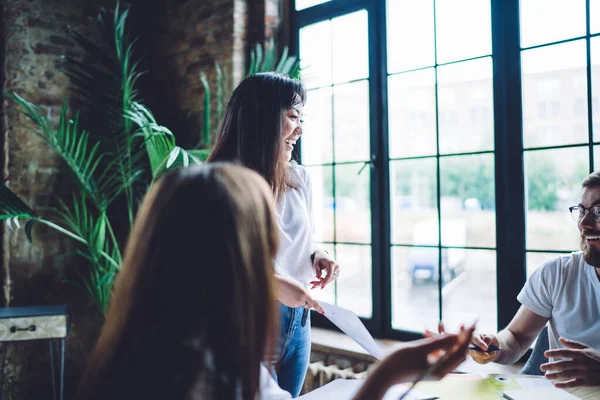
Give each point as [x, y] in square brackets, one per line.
[589, 227]
[292, 129]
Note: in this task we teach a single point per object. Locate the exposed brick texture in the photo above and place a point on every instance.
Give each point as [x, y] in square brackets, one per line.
[35, 274]
[178, 39]
[188, 38]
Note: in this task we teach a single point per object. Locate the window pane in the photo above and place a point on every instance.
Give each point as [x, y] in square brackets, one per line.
[536, 260]
[414, 288]
[302, 4]
[596, 159]
[351, 121]
[317, 132]
[350, 51]
[468, 200]
[413, 203]
[409, 32]
[595, 53]
[315, 54]
[322, 202]
[327, 294]
[352, 203]
[463, 29]
[354, 290]
[553, 183]
[470, 293]
[594, 17]
[411, 98]
[465, 103]
[546, 21]
[555, 95]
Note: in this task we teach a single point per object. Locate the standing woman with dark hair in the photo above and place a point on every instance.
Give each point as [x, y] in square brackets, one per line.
[259, 130]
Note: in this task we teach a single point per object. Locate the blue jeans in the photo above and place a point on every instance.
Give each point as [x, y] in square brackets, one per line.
[293, 350]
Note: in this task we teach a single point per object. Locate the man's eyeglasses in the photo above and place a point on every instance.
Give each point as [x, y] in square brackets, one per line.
[578, 212]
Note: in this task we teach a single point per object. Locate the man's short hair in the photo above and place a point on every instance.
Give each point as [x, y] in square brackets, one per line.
[592, 180]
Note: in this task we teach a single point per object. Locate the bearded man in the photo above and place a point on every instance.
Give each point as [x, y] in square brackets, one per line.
[565, 294]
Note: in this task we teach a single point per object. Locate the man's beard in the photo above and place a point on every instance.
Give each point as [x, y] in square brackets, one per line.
[590, 255]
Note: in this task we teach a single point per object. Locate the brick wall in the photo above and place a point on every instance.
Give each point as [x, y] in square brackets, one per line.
[187, 38]
[35, 274]
[178, 39]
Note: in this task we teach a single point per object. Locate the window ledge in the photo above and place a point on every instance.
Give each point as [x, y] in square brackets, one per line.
[333, 342]
[337, 343]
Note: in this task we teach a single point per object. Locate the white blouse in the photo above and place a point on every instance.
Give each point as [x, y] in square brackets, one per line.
[269, 389]
[203, 387]
[294, 219]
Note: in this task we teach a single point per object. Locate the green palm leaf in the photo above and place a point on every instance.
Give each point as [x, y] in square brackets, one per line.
[106, 88]
[207, 114]
[75, 147]
[200, 154]
[94, 229]
[180, 158]
[220, 95]
[12, 209]
[159, 142]
[270, 56]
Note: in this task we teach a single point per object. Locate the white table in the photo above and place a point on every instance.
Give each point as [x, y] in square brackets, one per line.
[451, 388]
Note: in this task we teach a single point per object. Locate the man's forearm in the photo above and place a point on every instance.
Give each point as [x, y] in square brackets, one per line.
[511, 350]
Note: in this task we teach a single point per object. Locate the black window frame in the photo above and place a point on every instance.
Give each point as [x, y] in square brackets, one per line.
[509, 151]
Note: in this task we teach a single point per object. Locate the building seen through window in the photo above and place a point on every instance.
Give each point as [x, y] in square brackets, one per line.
[438, 141]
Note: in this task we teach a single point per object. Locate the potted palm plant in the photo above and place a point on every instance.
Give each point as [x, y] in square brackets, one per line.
[114, 148]
[114, 161]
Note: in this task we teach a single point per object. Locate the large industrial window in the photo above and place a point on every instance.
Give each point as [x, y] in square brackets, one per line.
[445, 139]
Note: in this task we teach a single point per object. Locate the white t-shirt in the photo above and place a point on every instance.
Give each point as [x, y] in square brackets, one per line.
[567, 291]
[294, 220]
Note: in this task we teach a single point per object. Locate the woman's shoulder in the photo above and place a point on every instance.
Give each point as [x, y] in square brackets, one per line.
[299, 173]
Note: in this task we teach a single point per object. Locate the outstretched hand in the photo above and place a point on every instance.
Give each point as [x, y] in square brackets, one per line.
[484, 341]
[580, 365]
[429, 358]
[481, 340]
[420, 355]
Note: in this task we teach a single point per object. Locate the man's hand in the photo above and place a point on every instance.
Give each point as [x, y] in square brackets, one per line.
[414, 359]
[582, 367]
[483, 341]
[292, 294]
[323, 262]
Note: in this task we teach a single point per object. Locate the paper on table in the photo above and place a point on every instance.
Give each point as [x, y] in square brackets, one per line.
[534, 383]
[351, 325]
[344, 389]
[539, 393]
[461, 387]
[338, 389]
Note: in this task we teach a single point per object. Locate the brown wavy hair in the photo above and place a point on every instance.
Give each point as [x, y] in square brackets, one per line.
[194, 300]
[250, 132]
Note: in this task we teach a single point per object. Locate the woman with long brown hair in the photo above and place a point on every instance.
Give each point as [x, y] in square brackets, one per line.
[193, 311]
[193, 301]
[259, 129]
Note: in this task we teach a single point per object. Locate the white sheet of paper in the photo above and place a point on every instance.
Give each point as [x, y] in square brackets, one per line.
[539, 393]
[534, 383]
[340, 389]
[344, 389]
[352, 326]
